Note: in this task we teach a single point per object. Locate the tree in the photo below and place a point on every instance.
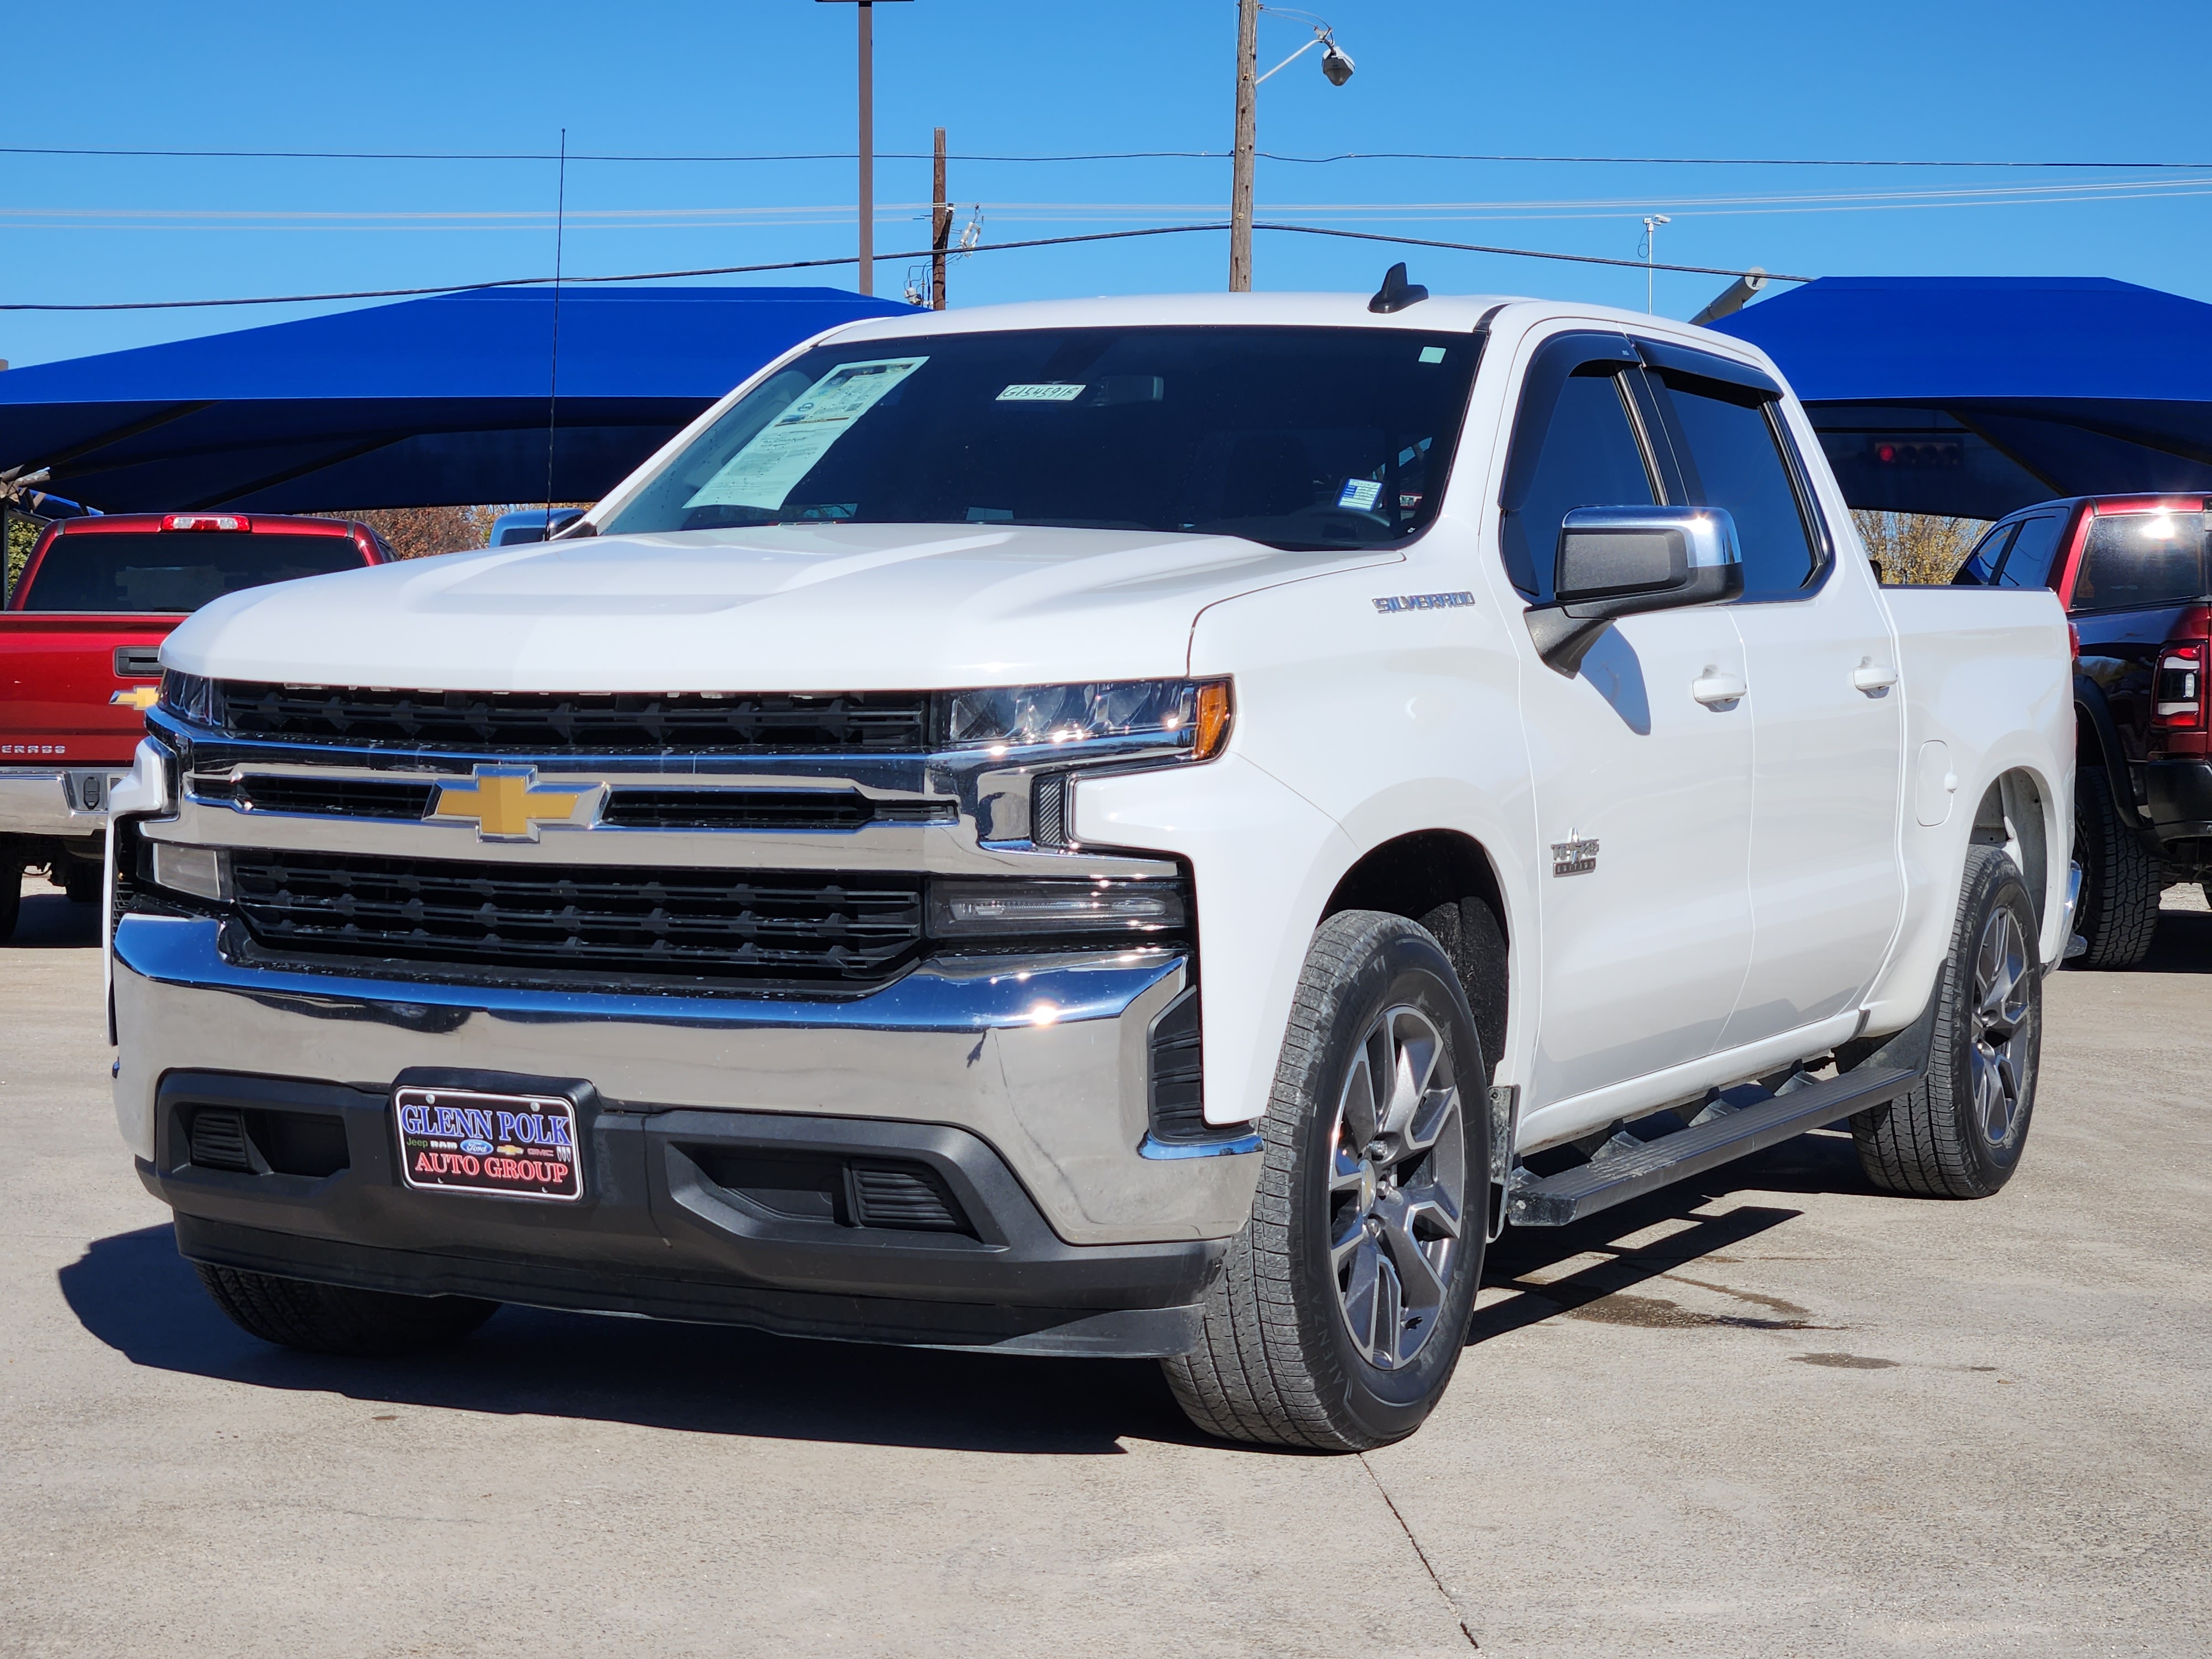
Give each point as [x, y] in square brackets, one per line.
[1917, 549]
[417, 532]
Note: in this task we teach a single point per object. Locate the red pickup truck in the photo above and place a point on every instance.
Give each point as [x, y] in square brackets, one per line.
[80, 660]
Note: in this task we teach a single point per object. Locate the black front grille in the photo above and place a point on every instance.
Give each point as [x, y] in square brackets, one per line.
[764, 927]
[352, 797]
[764, 808]
[547, 723]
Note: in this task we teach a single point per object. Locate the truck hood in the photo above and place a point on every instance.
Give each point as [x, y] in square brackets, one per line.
[782, 608]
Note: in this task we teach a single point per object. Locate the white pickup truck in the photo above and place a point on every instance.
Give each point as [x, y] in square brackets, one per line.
[1140, 827]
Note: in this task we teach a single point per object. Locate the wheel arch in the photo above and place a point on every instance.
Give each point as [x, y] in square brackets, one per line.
[1447, 881]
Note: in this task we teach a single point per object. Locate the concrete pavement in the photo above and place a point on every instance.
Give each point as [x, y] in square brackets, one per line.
[1772, 1412]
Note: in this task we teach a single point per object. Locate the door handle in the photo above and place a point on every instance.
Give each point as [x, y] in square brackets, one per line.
[1871, 677]
[1712, 687]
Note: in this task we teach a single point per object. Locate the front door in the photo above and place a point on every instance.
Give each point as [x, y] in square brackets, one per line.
[1643, 792]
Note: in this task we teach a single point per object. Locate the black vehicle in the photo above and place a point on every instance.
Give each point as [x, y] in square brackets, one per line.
[2135, 573]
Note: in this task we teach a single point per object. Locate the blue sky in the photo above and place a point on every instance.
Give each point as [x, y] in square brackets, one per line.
[2025, 81]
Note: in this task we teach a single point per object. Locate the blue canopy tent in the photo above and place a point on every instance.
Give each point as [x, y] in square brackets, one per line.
[1977, 395]
[429, 403]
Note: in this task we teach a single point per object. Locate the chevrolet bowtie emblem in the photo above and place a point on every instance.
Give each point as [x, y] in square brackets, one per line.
[507, 803]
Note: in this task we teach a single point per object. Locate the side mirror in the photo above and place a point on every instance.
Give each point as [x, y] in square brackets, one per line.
[1621, 560]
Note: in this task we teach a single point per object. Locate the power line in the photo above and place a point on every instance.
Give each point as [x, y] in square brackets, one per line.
[919, 253]
[1098, 156]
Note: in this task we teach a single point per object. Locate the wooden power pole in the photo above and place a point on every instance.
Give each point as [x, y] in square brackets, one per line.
[1240, 188]
[941, 227]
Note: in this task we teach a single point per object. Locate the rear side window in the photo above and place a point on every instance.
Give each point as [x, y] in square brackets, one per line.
[2135, 560]
[2028, 565]
[171, 572]
[1588, 457]
[1737, 461]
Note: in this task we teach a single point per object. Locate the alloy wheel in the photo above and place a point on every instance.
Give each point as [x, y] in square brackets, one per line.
[2001, 1039]
[1397, 1187]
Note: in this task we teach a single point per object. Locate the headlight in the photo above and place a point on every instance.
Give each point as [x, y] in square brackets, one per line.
[1000, 905]
[1192, 715]
[189, 698]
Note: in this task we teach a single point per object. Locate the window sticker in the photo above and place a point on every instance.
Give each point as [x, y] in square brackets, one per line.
[1049, 392]
[1432, 353]
[1362, 493]
[785, 450]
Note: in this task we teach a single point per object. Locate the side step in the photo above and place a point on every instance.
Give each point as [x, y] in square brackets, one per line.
[1555, 1201]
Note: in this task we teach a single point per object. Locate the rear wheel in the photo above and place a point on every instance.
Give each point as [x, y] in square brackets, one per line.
[11, 898]
[1340, 1311]
[1961, 1132]
[294, 1313]
[2117, 913]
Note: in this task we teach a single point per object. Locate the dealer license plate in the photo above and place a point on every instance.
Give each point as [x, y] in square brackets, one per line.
[459, 1140]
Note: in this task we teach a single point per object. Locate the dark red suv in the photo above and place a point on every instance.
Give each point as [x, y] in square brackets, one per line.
[2135, 573]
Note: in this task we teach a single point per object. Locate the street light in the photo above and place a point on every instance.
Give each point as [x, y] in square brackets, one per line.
[1334, 63]
[1651, 223]
[866, 147]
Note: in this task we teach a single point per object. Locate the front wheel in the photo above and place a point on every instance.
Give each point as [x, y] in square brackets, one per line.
[296, 1313]
[1961, 1132]
[1341, 1309]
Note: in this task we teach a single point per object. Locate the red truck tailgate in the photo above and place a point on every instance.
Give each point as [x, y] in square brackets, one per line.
[59, 683]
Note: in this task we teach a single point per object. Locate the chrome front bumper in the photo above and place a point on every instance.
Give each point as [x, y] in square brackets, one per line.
[1047, 1060]
[50, 801]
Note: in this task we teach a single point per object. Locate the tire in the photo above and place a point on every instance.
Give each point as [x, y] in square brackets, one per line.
[81, 881]
[11, 899]
[1278, 1363]
[1961, 1132]
[294, 1313]
[2117, 913]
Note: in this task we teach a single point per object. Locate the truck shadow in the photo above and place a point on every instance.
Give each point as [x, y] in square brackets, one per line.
[136, 1294]
[1523, 1260]
[50, 922]
[2183, 943]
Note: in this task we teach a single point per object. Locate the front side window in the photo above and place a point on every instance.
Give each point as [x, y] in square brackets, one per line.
[2135, 560]
[1980, 567]
[1737, 461]
[1586, 456]
[1296, 437]
[170, 573]
[2028, 565]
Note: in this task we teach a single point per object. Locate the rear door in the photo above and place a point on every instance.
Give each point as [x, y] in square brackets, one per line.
[1644, 795]
[1827, 887]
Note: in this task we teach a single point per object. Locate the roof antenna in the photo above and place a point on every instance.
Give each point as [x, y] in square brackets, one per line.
[553, 382]
[1396, 293]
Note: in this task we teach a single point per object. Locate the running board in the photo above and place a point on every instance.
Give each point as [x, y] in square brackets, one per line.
[1555, 1201]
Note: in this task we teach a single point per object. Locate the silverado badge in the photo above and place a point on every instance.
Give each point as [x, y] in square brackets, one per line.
[507, 803]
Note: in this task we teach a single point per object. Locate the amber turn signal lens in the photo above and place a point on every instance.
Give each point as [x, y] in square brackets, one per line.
[1212, 731]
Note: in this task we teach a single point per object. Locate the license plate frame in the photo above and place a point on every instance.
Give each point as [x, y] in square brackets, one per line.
[484, 1143]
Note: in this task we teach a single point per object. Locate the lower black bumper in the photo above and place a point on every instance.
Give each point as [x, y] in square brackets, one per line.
[2179, 796]
[865, 1229]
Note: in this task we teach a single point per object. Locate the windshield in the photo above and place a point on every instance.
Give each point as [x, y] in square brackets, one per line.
[166, 572]
[1297, 437]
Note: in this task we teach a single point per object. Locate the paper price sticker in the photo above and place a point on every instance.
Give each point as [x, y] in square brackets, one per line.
[1048, 392]
[1360, 492]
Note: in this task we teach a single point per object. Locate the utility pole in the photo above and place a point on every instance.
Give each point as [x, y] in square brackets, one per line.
[866, 284]
[941, 227]
[868, 147]
[1247, 109]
